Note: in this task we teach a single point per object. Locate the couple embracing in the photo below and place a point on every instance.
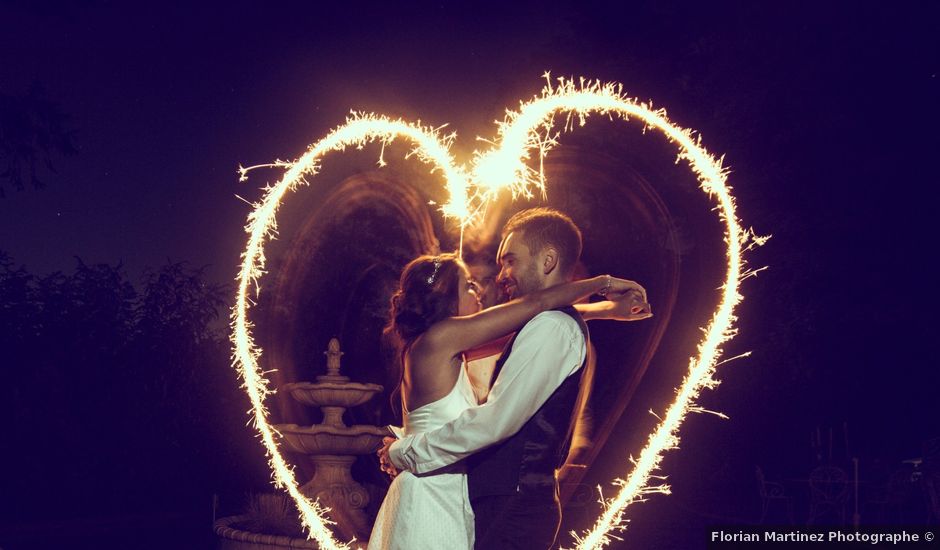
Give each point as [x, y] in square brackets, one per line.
[471, 475]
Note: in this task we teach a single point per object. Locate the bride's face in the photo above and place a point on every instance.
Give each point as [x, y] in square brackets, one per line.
[468, 299]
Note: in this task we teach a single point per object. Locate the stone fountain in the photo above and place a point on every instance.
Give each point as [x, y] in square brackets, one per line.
[332, 445]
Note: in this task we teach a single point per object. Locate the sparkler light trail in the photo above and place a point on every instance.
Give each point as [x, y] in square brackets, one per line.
[529, 131]
[358, 131]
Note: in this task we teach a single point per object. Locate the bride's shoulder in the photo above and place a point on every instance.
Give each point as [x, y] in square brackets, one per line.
[428, 351]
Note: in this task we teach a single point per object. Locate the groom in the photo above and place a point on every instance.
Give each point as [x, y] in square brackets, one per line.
[516, 440]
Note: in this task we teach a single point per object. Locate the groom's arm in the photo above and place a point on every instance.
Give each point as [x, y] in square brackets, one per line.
[548, 350]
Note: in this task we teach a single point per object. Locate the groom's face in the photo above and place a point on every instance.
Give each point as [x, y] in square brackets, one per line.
[518, 268]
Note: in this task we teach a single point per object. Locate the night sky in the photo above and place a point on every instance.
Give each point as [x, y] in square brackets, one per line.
[826, 114]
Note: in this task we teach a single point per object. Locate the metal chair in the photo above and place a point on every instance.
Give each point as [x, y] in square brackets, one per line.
[931, 473]
[884, 502]
[771, 491]
[829, 493]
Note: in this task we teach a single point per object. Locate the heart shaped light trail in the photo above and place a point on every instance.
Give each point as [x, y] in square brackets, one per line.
[530, 130]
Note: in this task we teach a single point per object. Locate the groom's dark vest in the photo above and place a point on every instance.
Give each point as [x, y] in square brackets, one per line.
[527, 461]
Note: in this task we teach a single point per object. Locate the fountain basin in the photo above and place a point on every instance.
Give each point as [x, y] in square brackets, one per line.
[234, 538]
[331, 394]
[323, 439]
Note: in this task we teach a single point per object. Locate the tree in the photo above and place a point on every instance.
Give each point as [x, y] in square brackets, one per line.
[33, 133]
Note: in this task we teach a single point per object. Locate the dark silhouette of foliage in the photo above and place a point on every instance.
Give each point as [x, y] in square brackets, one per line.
[18, 311]
[33, 133]
[179, 304]
[123, 397]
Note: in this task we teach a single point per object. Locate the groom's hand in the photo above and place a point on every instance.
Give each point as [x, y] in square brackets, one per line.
[385, 463]
[617, 287]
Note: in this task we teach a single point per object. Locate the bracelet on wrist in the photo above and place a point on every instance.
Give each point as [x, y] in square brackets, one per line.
[604, 291]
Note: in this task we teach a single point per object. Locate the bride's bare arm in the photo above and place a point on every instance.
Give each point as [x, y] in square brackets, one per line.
[461, 333]
[628, 307]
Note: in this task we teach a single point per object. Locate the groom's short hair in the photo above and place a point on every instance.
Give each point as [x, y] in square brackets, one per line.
[540, 227]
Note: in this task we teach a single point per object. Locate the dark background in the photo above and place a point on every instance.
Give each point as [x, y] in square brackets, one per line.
[120, 231]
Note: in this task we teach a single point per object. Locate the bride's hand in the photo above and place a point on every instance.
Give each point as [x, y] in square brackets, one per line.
[385, 463]
[630, 306]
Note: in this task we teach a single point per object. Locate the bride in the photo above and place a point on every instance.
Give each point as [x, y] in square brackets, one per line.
[435, 316]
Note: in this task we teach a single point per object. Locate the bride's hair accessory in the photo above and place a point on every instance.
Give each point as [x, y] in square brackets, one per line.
[437, 266]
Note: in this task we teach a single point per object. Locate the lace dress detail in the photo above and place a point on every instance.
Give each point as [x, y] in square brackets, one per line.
[429, 511]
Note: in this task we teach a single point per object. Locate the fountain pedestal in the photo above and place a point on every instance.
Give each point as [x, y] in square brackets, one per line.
[333, 483]
[332, 445]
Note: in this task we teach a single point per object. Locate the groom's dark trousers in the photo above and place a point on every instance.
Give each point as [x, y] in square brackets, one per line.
[523, 520]
[512, 484]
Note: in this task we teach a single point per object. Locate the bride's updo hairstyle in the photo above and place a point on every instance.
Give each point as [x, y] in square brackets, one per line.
[427, 293]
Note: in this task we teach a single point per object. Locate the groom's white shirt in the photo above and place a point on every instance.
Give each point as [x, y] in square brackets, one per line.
[548, 349]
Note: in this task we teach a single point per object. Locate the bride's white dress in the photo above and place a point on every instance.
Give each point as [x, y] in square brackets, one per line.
[429, 510]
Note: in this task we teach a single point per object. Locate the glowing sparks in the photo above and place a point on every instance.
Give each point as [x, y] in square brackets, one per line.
[358, 131]
[506, 165]
[531, 129]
